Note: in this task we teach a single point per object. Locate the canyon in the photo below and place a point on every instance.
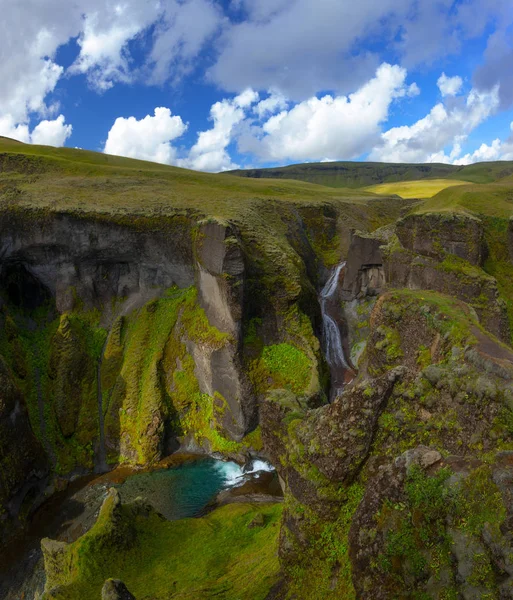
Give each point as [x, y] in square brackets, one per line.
[359, 343]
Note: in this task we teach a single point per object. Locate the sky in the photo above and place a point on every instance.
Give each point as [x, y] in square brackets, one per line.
[214, 85]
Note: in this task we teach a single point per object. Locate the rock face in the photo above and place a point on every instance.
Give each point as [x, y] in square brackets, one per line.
[23, 465]
[364, 274]
[446, 253]
[129, 337]
[380, 486]
[436, 235]
[454, 508]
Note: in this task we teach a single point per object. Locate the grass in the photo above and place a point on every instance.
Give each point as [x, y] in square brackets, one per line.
[40, 180]
[78, 180]
[493, 200]
[362, 174]
[212, 556]
[426, 188]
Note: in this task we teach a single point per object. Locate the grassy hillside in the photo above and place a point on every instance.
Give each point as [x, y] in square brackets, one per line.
[218, 555]
[78, 180]
[423, 188]
[491, 200]
[364, 174]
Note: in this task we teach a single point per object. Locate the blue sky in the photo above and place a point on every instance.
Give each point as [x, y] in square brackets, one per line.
[213, 85]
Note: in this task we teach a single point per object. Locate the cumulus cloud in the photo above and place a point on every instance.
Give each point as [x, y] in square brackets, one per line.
[181, 34]
[497, 150]
[149, 138]
[103, 45]
[273, 103]
[340, 126]
[449, 86]
[51, 133]
[445, 124]
[210, 151]
[300, 47]
[32, 32]
[46, 133]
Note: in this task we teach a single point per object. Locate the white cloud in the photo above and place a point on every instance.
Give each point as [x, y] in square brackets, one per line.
[148, 139]
[449, 86]
[103, 55]
[210, 151]
[51, 133]
[497, 150]
[444, 125]
[31, 32]
[182, 32]
[341, 126]
[47, 133]
[300, 47]
[274, 103]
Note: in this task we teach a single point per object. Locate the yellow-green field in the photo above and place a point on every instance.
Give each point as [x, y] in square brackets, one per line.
[423, 188]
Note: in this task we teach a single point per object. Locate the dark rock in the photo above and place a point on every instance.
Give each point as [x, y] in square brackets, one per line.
[113, 589]
[258, 521]
[364, 273]
[434, 234]
[23, 464]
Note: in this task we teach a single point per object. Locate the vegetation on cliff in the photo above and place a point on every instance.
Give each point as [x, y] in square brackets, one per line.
[229, 553]
[202, 327]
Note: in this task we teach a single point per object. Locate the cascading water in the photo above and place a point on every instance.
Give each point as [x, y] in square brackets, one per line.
[333, 343]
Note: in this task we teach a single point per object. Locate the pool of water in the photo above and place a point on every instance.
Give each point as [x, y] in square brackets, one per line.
[176, 493]
[183, 491]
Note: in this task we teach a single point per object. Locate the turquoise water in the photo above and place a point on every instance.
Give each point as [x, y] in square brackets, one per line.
[182, 491]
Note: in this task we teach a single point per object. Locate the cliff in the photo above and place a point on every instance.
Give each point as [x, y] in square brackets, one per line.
[147, 308]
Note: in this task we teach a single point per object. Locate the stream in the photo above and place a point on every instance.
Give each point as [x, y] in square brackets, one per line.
[178, 492]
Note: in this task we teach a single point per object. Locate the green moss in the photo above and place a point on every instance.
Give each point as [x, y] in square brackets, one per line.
[480, 502]
[390, 342]
[282, 366]
[418, 531]
[323, 569]
[55, 361]
[416, 538]
[217, 555]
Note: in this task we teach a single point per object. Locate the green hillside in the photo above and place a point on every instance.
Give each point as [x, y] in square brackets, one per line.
[83, 181]
[364, 174]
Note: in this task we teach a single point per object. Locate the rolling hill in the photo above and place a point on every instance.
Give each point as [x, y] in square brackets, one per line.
[364, 174]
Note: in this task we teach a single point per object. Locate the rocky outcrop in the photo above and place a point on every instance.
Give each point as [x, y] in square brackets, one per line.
[435, 526]
[445, 253]
[364, 273]
[319, 455]
[377, 495]
[437, 234]
[113, 589]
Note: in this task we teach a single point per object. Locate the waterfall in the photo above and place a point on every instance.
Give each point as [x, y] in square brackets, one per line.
[333, 345]
[235, 475]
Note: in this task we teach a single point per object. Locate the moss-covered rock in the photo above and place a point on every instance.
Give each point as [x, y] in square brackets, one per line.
[218, 554]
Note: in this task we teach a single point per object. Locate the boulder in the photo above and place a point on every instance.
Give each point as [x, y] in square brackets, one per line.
[114, 589]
